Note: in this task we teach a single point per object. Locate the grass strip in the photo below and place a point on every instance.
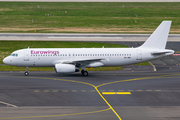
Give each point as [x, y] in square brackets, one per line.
[92, 17]
[13, 68]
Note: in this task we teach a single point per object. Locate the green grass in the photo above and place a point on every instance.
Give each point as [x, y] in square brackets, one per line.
[105, 68]
[13, 68]
[87, 17]
[143, 63]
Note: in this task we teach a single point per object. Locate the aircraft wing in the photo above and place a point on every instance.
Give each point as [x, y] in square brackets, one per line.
[79, 62]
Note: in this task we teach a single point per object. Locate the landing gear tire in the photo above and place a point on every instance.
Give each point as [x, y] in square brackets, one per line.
[85, 73]
[82, 72]
[26, 73]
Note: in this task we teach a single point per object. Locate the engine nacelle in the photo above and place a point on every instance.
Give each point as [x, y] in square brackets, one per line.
[65, 68]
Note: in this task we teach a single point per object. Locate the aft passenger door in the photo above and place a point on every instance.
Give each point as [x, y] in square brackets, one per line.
[139, 55]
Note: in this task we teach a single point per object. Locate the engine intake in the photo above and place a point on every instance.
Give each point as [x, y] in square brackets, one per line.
[65, 68]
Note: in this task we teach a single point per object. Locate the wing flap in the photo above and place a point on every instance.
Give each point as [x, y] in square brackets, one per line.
[78, 61]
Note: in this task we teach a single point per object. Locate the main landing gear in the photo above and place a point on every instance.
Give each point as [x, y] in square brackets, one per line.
[26, 73]
[84, 73]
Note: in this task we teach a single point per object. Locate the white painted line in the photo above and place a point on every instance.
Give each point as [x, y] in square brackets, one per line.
[95, 0]
[87, 34]
[87, 37]
[153, 66]
[8, 104]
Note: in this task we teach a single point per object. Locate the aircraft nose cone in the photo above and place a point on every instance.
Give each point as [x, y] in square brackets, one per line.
[5, 61]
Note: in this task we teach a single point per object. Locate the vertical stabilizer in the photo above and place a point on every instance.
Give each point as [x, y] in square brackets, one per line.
[159, 37]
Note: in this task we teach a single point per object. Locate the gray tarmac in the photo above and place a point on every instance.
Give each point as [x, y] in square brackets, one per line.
[47, 95]
[80, 37]
[95, 0]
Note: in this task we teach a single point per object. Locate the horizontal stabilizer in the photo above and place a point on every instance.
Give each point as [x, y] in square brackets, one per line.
[163, 52]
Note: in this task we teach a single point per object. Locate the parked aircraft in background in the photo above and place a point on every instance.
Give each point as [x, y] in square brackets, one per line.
[67, 60]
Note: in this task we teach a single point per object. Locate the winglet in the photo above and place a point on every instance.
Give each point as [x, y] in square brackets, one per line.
[159, 37]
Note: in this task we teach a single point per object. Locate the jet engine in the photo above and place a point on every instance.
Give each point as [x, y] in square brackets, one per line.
[65, 68]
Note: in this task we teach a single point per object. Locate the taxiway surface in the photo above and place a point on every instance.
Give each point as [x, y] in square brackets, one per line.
[47, 95]
[94, 0]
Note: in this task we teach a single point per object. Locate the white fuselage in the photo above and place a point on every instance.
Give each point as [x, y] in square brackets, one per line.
[39, 57]
[66, 60]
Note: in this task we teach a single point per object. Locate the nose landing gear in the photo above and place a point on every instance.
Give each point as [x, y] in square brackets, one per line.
[26, 73]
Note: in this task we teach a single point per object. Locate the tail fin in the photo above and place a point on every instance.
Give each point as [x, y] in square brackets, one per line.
[159, 37]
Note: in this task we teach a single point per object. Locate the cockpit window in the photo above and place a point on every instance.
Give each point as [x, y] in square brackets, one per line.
[14, 54]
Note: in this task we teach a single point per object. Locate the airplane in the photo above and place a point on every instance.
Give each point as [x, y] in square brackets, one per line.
[68, 60]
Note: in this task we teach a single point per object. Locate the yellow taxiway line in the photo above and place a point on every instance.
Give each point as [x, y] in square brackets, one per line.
[96, 88]
[116, 93]
[46, 116]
